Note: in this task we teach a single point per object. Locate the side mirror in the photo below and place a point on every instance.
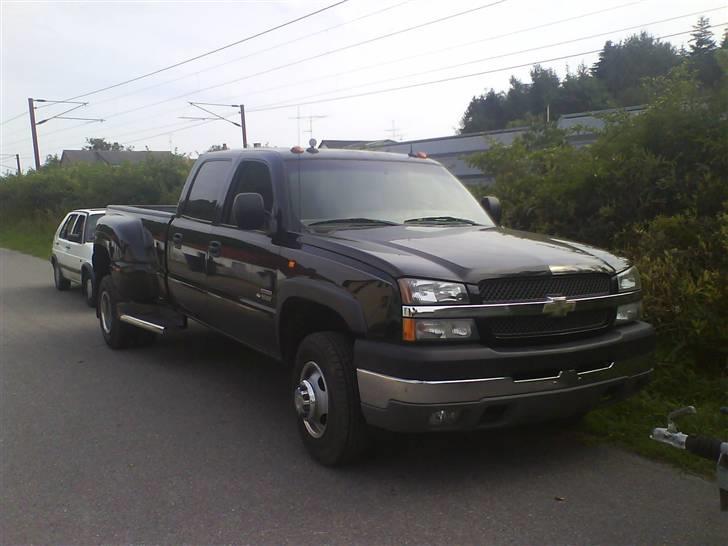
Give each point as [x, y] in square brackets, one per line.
[249, 211]
[492, 206]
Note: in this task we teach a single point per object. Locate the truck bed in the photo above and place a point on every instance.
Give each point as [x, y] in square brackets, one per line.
[166, 211]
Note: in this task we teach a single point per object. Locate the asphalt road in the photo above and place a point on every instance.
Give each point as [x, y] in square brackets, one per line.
[194, 441]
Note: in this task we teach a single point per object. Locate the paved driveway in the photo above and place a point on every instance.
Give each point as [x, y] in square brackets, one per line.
[194, 441]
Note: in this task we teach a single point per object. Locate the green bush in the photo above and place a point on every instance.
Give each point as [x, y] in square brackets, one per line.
[52, 191]
[653, 187]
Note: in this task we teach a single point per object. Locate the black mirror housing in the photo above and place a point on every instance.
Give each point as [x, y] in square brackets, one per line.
[492, 206]
[249, 211]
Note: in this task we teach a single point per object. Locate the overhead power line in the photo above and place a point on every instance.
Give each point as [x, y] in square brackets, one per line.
[392, 61]
[312, 57]
[201, 55]
[294, 102]
[421, 84]
[258, 52]
[454, 78]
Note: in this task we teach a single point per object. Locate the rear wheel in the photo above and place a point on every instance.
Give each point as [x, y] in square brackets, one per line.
[89, 290]
[327, 400]
[117, 334]
[59, 280]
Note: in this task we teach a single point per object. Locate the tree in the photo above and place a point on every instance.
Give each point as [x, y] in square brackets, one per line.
[484, 113]
[52, 161]
[702, 38]
[101, 144]
[622, 67]
[701, 57]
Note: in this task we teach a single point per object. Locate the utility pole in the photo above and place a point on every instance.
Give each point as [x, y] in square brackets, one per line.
[242, 126]
[218, 117]
[34, 133]
[17, 159]
[34, 124]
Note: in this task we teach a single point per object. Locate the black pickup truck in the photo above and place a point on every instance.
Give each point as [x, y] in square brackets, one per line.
[395, 296]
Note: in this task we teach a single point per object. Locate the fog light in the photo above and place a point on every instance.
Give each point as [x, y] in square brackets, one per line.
[445, 329]
[629, 312]
[444, 417]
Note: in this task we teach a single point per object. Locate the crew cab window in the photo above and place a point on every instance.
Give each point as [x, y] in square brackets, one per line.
[76, 232]
[252, 177]
[68, 224]
[207, 190]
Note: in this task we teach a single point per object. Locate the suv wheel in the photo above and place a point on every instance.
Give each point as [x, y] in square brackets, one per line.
[89, 290]
[59, 280]
[326, 399]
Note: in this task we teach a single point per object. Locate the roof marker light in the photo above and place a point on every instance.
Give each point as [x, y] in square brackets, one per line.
[297, 150]
[421, 155]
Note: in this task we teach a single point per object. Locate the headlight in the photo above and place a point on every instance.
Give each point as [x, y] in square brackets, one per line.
[425, 292]
[629, 280]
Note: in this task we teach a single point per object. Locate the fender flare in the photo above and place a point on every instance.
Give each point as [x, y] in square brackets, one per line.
[326, 294]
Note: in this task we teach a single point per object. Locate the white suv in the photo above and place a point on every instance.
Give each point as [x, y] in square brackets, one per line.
[73, 246]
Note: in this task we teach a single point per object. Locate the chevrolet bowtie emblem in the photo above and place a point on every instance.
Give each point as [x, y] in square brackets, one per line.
[558, 306]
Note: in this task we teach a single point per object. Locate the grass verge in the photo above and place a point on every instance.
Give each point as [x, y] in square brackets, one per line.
[32, 237]
[677, 382]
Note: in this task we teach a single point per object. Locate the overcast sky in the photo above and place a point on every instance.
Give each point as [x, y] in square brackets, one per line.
[57, 50]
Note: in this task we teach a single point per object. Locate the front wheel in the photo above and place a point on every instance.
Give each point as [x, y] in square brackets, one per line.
[326, 399]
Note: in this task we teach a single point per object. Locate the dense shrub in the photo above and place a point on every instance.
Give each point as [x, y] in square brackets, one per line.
[653, 187]
[52, 191]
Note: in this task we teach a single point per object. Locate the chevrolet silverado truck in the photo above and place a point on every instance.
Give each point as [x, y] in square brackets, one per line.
[395, 296]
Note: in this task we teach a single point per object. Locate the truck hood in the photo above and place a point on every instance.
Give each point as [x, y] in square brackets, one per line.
[469, 254]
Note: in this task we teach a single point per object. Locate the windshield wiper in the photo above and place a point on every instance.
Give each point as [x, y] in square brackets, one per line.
[372, 221]
[440, 220]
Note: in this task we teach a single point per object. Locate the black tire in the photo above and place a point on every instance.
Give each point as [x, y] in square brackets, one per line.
[88, 289]
[59, 280]
[117, 334]
[342, 436]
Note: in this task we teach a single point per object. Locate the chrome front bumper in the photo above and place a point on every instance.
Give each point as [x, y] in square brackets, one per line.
[379, 390]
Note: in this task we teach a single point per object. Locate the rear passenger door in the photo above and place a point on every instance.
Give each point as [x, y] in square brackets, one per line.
[75, 250]
[244, 266]
[190, 237]
[62, 245]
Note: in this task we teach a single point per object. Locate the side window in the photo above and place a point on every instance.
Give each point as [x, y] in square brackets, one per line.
[91, 227]
[68, 224]
[76, 232]
[252, 177]
[206, 190]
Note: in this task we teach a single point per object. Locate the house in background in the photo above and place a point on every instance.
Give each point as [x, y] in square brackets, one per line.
[109, 157]
[453, 151]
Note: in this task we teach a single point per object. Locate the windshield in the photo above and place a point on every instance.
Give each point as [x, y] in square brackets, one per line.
[91, 226]
[334, 191]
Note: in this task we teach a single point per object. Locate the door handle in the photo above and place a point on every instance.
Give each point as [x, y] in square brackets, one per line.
[177, 240]
[68, 247]
[215, 249]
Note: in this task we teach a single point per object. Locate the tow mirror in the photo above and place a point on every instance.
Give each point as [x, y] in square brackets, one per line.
[249, 211]
[492, 206]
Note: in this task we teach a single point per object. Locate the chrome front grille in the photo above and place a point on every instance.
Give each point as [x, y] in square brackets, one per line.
[524, 289]
[518, 289]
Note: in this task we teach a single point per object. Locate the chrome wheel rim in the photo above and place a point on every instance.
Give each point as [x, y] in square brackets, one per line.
[311, 398]
[89, 289]
[105, 308]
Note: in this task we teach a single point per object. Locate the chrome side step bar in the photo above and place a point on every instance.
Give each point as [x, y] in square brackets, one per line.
[143, 324]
